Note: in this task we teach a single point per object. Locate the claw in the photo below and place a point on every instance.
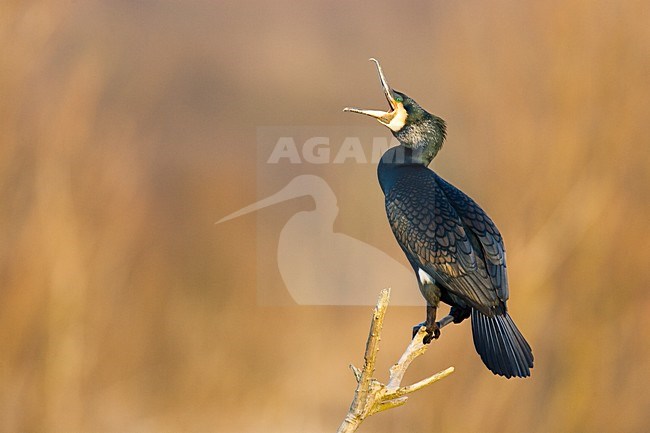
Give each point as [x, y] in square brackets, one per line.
[436, 330]
[432, 334]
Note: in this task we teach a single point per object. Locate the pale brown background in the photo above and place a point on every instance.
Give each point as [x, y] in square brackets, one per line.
[128, 127]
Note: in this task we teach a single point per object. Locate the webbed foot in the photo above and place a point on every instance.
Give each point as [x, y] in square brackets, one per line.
[433, 331]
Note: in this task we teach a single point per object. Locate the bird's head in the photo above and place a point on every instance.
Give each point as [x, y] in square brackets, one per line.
[412, 125]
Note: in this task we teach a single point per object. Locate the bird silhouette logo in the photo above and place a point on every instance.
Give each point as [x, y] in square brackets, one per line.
[322, 267]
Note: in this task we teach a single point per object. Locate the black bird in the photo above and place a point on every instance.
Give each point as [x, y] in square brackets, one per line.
[455, 249]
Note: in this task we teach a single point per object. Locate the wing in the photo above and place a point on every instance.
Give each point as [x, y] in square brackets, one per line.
[432, 232]
[483, 228]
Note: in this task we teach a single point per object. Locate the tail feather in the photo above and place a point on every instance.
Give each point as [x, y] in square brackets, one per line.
[501, 346]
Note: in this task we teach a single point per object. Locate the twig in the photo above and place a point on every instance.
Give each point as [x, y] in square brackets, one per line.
[372, 396]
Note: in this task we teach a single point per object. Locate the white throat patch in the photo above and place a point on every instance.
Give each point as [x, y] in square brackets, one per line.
[399, 120]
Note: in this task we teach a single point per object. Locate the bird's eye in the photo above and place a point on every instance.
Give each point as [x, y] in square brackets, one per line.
[399, 99]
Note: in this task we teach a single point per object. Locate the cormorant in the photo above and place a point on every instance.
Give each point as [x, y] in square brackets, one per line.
[455, 249]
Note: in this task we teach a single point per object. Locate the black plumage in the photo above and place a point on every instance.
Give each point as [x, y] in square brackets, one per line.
[455, 249]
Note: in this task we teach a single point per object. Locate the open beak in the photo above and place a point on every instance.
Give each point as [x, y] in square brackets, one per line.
[385, 117]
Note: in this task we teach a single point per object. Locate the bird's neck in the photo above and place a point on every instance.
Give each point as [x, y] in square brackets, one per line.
[423, 137]
[394, 162]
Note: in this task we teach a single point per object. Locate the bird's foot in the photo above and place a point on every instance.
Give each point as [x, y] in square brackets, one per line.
[433, 331]
[460, 313]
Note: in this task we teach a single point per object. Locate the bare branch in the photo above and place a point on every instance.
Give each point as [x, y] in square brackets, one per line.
[356, 372]
[424, 382]
[372, 396]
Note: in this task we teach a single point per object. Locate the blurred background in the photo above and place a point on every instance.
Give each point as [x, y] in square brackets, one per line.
[127, 128]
